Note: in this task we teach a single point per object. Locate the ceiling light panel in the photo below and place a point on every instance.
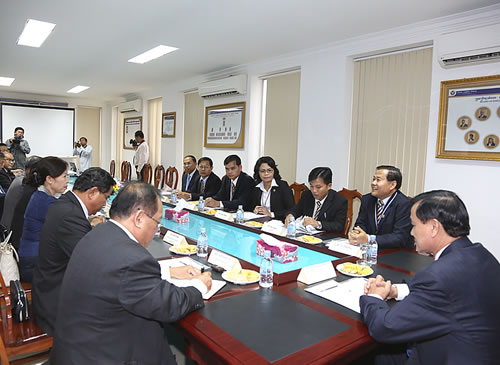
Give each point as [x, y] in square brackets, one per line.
[152, 54]
[6, 81]
[35, 33]
[78, 89]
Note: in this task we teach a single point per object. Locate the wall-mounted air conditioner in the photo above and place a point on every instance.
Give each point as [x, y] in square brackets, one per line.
[472, 46]
[130, 106]
[232, 85]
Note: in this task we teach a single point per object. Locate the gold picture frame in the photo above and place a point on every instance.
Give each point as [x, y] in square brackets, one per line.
[168, 125]
[130, 126]
[469, 119]
[225, 125]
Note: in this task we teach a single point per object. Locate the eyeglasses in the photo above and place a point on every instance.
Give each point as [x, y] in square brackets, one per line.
[203, 167]
[158, 223]
[267, 171]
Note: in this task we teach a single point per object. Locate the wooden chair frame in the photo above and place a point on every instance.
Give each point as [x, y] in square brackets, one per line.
[298, 189]
[350, 195]
[148, 173]
[112, 168]
[171, 173]
[159, 176]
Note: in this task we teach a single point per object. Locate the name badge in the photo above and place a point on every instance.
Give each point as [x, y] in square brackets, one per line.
[224, 215]
[174, 238]
[316, 273]
[221, 259]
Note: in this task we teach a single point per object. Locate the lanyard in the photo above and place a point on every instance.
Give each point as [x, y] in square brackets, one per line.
[385, 208]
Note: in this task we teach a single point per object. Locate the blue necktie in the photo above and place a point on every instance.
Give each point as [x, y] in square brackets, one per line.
[188, 179]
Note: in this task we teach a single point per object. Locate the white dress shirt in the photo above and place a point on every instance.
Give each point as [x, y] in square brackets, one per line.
[141, 156]
[85, 154]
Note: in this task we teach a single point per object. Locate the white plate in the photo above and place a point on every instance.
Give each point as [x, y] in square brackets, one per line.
[173, 249]
[340, 268]
[311, 243]
[224, 276]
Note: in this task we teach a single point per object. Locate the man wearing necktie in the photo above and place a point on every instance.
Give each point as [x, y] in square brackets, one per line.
[385, 212]
[208, 182]
[190, 176]
[236, 187]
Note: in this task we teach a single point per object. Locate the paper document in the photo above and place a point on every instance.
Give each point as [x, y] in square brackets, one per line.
[345, 293]
[342, 245]
[184, 261]
[305, 229]
[249, 216]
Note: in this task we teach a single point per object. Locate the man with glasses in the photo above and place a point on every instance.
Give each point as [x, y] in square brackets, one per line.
[113, 302]
[208, 182]
[67, 221]
[6, 174]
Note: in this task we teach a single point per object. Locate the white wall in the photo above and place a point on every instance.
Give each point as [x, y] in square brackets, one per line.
[325, 114]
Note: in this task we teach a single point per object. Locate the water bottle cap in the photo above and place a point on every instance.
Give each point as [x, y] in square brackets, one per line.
[292, 218]
[240, 206]
[372, 237]
[202, 229]
[267, 253]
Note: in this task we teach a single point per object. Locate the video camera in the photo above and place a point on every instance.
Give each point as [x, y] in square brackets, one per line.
[17, 139]
[133, 142]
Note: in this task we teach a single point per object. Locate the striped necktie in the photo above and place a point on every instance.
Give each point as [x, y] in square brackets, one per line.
[318, 208]
[202, 186]
[188, 179]
[233, 189]
[380, 210]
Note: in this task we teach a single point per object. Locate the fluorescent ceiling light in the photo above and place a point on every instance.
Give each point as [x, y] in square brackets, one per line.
[152, 54]
[6, 81]
[35, 33]
[78, 89]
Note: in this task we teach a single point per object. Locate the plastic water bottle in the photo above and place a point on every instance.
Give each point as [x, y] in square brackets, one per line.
[173, 197]
[292, 228]
[202, 243]
[372, 250]
[240, 214]
[266, 271]
[201, 204]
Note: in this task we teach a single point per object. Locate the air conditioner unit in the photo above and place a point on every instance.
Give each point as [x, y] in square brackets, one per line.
[130, 106]
[473, 46]
[232, 85]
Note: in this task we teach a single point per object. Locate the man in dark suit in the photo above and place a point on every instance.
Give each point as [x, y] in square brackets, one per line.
[191, 175]
[66, 223]
[113, 300]
[208, 182]
[321, 207]
[448, 312]
[236, 187]
[6, 174]
[385, 212]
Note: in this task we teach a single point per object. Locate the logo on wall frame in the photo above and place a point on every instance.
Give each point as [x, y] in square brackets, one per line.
[490, 141]
[453, 92]
[483, 114]
[471, 137]
[464, 122]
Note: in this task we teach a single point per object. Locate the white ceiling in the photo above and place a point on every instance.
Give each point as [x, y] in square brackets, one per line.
[93, 39]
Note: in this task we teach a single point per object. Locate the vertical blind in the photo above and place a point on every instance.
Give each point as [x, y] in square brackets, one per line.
[390, 118]
[154, 131]
[281, 122]
[193, 124]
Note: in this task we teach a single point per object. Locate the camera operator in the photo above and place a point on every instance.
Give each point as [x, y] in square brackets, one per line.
[83, 150]
[141, 156]
[19, 147]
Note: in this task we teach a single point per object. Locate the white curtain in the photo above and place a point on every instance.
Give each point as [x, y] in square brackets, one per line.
[154, 131]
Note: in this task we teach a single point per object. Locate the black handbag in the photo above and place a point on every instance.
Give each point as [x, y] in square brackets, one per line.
[19, 301]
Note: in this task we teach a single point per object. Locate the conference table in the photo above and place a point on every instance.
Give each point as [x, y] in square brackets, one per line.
[285, 324]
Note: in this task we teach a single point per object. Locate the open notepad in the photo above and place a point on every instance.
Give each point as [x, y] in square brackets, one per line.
[183, 261]
[345, 293]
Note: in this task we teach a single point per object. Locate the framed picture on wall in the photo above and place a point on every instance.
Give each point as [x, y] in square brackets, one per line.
[225, 125]
[469, 119]
[130, 126]
[168, 125]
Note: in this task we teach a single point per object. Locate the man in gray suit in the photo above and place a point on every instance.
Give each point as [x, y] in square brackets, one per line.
[113, 300]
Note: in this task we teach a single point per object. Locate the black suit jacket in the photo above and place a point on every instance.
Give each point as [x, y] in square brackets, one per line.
[65, 225]
[332, 214]
[395, 225]
[212, 186]
[451, 312]
[113, 303]
[242, 194]
[17, 224]
[281, 199]
[192, 183]
[6, 178]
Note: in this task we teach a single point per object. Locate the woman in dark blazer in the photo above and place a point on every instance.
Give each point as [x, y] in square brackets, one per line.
[272, 196]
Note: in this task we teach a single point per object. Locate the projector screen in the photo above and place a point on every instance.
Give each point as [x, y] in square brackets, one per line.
[48, 130]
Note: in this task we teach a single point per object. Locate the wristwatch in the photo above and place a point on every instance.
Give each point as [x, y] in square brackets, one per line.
[319, 227]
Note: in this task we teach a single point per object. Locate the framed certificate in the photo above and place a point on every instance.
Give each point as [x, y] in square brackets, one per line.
[469, 119]
[168, 125]
[130, 126]
[225, 125]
